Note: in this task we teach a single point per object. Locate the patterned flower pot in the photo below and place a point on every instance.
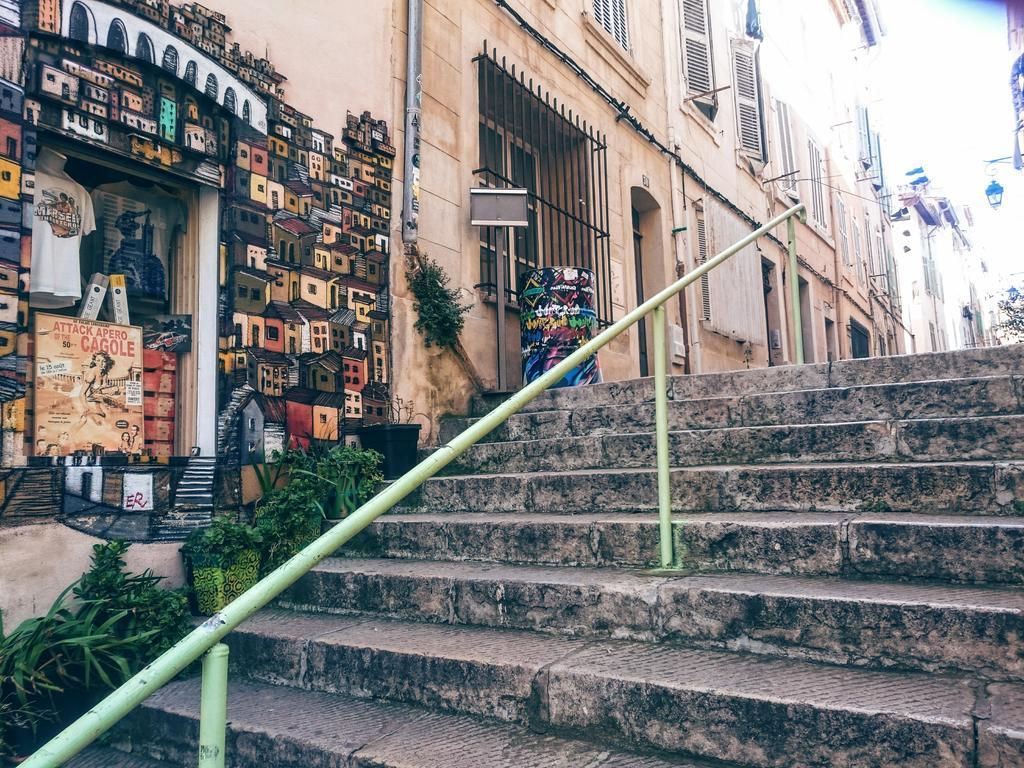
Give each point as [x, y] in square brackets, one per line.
[215, 583]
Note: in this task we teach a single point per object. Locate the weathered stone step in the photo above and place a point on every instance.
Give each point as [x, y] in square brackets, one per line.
[997, 361]
[933, 487]
[974, 438]
[953, 548]
[280, 727]
[752, 710]
[106, 757]
[993, 396]
[914, 626]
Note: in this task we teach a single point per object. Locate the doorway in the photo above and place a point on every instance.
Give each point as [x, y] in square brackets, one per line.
[860, 340]
[638, 270]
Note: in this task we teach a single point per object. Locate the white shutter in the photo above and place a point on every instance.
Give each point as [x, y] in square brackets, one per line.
[696, 39]
[611, 14]
[817, 176]
[844, 239]
[856, 253]
[748, 105]
[702, 257]
[788, 161]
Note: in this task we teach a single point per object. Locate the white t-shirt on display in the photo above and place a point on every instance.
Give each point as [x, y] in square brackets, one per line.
[62, 214]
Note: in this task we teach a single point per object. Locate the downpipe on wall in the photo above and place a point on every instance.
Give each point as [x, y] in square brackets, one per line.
[413, 117]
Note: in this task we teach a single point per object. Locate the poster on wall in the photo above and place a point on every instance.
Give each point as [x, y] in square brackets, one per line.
[168, 333]
[88, 386]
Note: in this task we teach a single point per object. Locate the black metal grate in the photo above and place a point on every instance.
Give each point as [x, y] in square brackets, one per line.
[528, 139]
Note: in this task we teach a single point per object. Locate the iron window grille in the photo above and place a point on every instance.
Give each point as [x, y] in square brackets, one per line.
[529, 140]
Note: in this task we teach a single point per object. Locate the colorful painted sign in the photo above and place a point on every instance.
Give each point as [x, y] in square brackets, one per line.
[169, 333]
[88, 385]
[556, 318]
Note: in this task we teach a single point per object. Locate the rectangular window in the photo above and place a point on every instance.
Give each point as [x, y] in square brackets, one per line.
[611, 14]
[747, 93]
[562, 163]
[787, 159]
[818, 208]
[698, 69]
[272, 333]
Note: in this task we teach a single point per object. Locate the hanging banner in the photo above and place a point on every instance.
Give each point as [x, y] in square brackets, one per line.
[88, 386]
[556, 318]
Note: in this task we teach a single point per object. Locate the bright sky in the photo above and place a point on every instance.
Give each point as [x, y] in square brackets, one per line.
[942, 77]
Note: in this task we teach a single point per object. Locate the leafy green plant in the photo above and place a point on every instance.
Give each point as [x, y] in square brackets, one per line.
[222, 541]
[53, 667]
[159, 617]
[347, 476]
[440, 315]
[288, 518]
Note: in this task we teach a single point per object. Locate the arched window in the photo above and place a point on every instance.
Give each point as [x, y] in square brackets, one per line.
[170, 62]
[144, 48]
[117, 36]
[190, 73]
[229, 100]
[246, 111]
[79, 23]
[211, 86]
[291, 252]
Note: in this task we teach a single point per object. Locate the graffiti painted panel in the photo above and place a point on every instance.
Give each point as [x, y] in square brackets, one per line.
[557, 317]
[88, 386]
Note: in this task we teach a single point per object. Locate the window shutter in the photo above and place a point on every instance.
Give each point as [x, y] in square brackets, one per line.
[864, 136]
[856, 253]
[878, 181]
[696, 38]
[844, 239]
[786, 146]
[748, 106]
[814, 155]
[611, 14]
[702, 257]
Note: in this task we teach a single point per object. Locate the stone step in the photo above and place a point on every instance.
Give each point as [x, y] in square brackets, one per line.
[949, 548]
[974, 438]
[280, 727]
[752, 710]
[911, 626]
[974, 488]
[995, 361]
[993, 396]
[107, 757]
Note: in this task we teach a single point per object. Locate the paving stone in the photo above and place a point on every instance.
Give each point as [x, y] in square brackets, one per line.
[107, 757]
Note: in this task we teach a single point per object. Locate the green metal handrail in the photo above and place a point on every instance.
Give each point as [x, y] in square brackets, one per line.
[205, 639]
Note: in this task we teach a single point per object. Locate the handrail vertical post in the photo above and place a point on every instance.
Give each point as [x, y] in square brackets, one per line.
[661, 438]
[213, 707]
[794, 293]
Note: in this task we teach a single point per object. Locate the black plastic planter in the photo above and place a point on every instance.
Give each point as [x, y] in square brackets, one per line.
[396, 443]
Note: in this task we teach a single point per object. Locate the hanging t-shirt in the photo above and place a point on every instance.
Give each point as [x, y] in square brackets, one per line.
[138, 228]
[61, 215]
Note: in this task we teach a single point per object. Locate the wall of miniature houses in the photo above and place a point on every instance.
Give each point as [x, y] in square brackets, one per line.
[303, 310]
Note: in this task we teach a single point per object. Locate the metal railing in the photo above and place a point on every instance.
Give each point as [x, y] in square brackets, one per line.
[205, 639]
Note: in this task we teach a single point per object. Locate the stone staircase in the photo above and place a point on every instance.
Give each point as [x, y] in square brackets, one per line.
[850, 555]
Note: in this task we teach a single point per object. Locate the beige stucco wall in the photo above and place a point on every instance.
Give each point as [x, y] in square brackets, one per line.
[37, 562]
[454, 32]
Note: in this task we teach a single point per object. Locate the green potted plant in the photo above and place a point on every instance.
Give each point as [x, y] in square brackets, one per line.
[349, 477]
[289, 518]
[222, 561]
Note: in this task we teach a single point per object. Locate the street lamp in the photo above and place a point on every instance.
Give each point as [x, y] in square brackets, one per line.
[994, 193]
[502, 209]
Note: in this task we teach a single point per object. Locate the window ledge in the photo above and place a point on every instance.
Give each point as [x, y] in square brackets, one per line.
[609, 49]
[702, 121]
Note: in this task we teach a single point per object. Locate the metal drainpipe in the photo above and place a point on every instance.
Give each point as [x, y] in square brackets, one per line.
[413, 102]
[669, 23]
